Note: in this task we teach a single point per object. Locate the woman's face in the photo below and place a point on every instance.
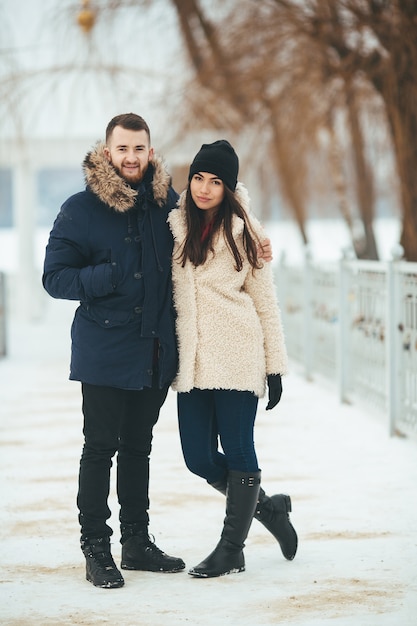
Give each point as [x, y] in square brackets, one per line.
[207, 191]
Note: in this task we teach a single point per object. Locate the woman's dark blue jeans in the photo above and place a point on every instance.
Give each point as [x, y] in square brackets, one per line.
[208, 417]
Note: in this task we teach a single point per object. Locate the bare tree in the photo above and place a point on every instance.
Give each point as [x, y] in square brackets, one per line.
[376, 40]
[343, 45]
[263, 64]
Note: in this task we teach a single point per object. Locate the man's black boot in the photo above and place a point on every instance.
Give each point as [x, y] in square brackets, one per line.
[101, 570]
[140, 553]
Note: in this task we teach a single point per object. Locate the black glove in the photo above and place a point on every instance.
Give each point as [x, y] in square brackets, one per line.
[274, 390]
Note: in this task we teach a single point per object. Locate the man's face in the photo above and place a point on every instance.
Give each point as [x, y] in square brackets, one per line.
[129, 152]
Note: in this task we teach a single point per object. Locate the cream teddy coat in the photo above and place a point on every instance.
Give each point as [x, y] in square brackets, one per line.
[228, 323]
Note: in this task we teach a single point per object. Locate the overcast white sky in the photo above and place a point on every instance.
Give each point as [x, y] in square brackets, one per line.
[40, 37]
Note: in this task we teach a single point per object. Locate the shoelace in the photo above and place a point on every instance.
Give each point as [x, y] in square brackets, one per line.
[105, 560]
[151, 545]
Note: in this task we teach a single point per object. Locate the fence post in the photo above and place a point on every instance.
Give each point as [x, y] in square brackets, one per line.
[308, 314]
[2, 315]
[343, 355]
[392, 346]
[280, 279]
[280, 276]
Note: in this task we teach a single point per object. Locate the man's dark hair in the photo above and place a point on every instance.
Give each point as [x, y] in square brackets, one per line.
[129, 121]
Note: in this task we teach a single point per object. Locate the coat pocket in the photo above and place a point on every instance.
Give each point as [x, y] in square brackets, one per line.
[106, 317]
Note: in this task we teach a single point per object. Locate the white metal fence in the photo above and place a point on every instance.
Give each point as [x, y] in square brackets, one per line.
[355, 322]
[2, 315]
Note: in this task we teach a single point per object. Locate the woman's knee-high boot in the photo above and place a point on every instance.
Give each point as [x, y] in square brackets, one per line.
[273, 513]
[241, 500]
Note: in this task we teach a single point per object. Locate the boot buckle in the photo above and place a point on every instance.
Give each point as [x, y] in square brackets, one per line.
[249, 481]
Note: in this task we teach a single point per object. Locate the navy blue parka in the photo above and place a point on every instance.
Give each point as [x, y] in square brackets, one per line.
[110, 248]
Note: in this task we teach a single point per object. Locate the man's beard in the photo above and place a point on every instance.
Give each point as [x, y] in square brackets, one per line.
[132, 180]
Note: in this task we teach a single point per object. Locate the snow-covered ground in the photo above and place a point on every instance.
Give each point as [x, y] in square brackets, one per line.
[354, 506]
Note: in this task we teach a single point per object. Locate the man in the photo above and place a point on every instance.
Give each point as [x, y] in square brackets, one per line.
[110, 248]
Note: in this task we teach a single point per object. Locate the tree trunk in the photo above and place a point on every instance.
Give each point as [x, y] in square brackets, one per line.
[366, 247]
[404, 132]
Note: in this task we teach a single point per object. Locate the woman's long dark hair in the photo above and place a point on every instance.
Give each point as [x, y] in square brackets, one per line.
[196, 250]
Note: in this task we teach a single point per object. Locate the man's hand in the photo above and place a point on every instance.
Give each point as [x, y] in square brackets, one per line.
[265, 250]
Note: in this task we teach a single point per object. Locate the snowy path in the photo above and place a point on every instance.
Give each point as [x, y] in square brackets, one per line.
[353, 490]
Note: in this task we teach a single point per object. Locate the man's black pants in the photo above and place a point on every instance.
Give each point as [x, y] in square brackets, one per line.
[116, 420]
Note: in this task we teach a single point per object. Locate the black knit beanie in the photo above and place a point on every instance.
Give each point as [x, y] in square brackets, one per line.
[217, 158]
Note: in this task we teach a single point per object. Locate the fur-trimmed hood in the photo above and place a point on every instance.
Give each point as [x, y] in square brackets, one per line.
[103, 180]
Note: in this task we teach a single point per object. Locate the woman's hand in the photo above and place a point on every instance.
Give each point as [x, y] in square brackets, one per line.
[274, 390]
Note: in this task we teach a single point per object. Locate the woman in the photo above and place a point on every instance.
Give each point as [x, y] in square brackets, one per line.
[230, 344]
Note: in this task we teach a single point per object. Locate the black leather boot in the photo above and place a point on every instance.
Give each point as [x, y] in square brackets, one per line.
[273, 513]
[101, 570]
[241, 500]
[140, 553]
